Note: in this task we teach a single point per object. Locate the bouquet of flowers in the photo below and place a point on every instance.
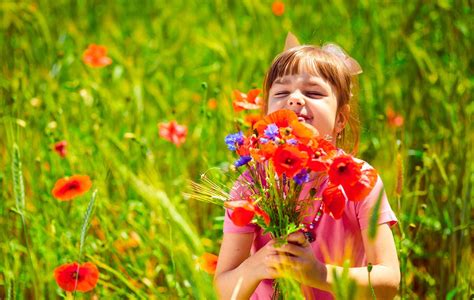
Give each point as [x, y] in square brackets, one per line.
[279, 156]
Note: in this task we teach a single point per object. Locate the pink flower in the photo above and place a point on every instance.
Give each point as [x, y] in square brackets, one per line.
[173, 132]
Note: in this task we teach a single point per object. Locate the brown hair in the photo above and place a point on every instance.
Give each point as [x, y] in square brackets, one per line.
[316, 61]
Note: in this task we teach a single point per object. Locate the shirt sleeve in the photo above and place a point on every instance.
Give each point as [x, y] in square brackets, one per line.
[239, 191]
[365, 207]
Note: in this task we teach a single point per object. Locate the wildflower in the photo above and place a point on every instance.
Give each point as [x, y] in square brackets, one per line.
[173, 132]
[363, 187]
[251, 119]
[60, 148]
[334, 201]
[208, 262]
[281, 118]
[72, 277]
[246, 101]
[344, 170]
[234, 139]
[278, 8]
[272, 131]
[394, 119]
[243, 212]
[243, 160]
[68, 188]
[212, 104]
[301, 177]
[96, 56]
[289, 160]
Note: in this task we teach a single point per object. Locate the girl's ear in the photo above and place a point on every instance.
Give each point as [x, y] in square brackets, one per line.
[342, 118]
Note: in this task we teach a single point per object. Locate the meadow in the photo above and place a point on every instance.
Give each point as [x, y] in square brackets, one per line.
[182, 60]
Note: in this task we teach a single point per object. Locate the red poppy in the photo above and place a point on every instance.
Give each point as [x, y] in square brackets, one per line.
[289, 160]
[72, 277]
[246, 102]
[326, 145]
[264, 152]
[251, 119]
[242, 211]
[208, 262]
[394, 119]
[334, 201]
[96, 56]
[60, 148]
[345, 171]
[281, 118]
[363, 186]
[278, 8]
[319, 161]
[173, 132]
[303, 132]
[68, 188]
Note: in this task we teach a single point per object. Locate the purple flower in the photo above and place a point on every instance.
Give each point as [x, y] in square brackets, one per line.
[292, 142]
[301, 177]
[243, 160]
[271, 131]
[234, 138]
[263, 140]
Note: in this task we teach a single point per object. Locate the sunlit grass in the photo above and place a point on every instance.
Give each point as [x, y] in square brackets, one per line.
[168, 60]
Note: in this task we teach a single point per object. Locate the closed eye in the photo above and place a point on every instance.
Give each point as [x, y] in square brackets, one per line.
[281, 94]
[314, 94]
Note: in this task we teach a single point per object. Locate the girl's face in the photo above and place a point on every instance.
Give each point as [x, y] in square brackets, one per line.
[312, 98]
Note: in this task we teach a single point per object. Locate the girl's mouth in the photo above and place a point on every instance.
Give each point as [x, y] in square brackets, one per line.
[303, 118]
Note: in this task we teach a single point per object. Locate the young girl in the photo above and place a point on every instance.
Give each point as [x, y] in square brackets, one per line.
[316, 84]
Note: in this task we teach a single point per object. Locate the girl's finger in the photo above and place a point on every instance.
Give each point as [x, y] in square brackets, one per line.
[291, 249]
[281, 261]
[298, 238]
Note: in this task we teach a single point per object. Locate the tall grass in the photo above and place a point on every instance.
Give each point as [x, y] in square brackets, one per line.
[169, 59]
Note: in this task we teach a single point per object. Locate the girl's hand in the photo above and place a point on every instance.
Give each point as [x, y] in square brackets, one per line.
[261, 262]
[296, 260]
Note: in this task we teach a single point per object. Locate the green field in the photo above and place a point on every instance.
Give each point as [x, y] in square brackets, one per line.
[169, 58]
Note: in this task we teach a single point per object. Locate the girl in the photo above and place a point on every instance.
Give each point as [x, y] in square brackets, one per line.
[316, 84]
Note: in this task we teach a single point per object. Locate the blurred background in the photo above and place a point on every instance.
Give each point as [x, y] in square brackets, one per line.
[182, 60]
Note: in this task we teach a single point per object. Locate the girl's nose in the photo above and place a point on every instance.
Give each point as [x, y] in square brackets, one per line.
[295, 100]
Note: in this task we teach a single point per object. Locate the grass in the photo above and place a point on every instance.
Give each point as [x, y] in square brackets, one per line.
[169, 59]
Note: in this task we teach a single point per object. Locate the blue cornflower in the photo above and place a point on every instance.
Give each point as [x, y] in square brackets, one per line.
[271, 131]
[263, 140]
[243, 160]
[301, 177]
[292, 142]
[234, 138]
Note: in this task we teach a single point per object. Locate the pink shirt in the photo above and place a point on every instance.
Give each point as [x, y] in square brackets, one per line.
[335, 239]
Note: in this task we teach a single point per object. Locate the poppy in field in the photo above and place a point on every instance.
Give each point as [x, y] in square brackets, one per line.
[74, 277]
[289, 160]
[208, 262]
[212, 104]
[96, 56]
[278, 8]
[246, 101]
[334, 201]
[173, 132]
[60, 148]
[394, 119]
[345, 171]
[68, 188]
